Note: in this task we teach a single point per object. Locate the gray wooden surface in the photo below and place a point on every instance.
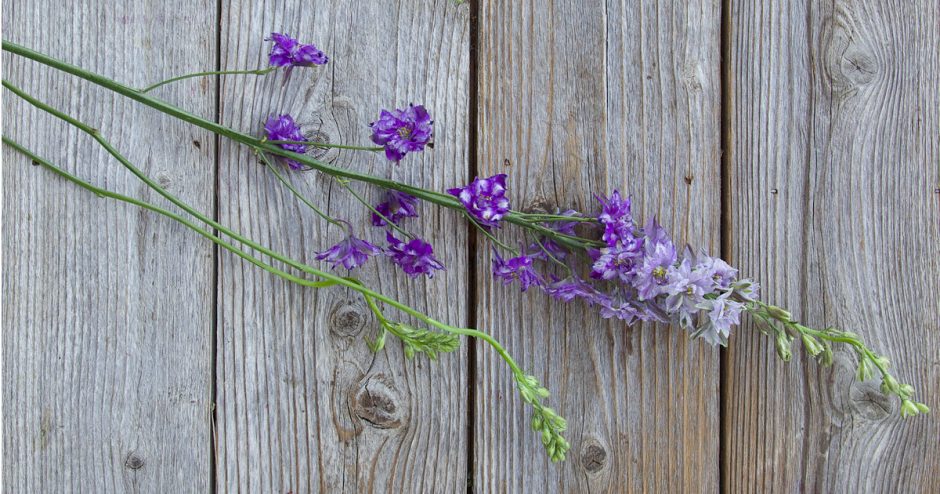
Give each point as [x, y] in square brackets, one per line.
[136, 358]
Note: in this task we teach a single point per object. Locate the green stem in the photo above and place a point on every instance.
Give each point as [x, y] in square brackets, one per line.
[329, 145]
[485, 232]
[438, 198]
[345, 184]
[211, 72]
[273, 167]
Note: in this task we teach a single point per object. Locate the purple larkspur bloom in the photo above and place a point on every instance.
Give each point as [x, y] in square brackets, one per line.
[403, 131]
[517, 268]
[552, 247]
[288, 52]
[723, 312]
[721, 273]
[570, 288]
[619, 261]
[659, 255]
[618, 307]
[416, 257]
[687, 288]
[396, 206]
[350, 253]
[485, 199]
[284, 128]
[616, 218]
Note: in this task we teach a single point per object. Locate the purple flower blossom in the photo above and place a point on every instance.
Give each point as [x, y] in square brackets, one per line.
[571, 288]
[283, 128]
[619, 261]
[616, 218]
[403, 131]
[288, 52]
[415, 257]
[722, 314]
[719, 271]
[350, 253]
[687, 288]
[485, 199]
[517, 268]
[618, 307]
[660, 254]
[397, 205]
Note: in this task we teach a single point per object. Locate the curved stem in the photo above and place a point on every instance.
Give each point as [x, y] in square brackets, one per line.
[210, 72]
[329, 145]
[273, 167]
[390, 223]
[514, 252]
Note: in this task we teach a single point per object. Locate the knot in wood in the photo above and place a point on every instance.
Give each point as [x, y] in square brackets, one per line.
[540, 205]
[133, 462]
[593, 457]
[377, 402]
[848, 58]
[347, 318]
[318, 136]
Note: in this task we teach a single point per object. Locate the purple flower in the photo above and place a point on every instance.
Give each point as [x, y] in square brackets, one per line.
[548, 244]
[397, 205]
[722, 314]
[619, 261]
[283, 128]
[415, 257]
[618, 307]
[288, 52]
[719, 271]
[403, 131]
[616, 218]
[687, 288]
[350, 253]
[571, 288]
[485, 199]
[517, 268]
[660, 254]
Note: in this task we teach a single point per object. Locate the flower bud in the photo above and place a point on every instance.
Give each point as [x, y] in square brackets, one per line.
[922, 408]
[909, 408]
[783, 346]
[812, 346]
[779, 313]
[906, 391]
[864, 371]
[889, 384]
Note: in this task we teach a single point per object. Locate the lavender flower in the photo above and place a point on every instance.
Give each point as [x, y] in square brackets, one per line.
[618, 307]
[723, 312]
[415, 257]
[397, 205]
[619, 261]
[283, 128]
[403, 131]
[485, 199]
[517, 268]
[616, 218]
[659, 255]
[571, 288]
[687, 288]
[288, 52]
[350, 253]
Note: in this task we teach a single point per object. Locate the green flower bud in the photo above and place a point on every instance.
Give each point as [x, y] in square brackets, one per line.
[782, 343]
[909, 408]
[922, 408]
[779, 314]
[906, 391]
[812, 346]
[864, 370]
[889, 385]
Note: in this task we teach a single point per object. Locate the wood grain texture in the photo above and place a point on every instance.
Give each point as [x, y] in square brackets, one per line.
[107, 310]
[303, 404]
[835, 166]
[577, 98]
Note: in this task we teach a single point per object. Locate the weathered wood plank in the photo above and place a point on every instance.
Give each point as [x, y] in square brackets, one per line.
[834, 166]
[583, 98]
[303, 405]
[107, 309]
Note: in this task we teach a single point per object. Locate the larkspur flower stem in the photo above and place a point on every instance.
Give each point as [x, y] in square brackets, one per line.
[345, 184]
[329, 145]
[490, 236]
[273, 167]
[264, 71]
[556, 217]
[434, 197]
[551, 256]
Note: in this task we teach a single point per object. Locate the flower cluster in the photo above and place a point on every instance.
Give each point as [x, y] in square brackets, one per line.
[403, 131]
[284, 128]
[484, 199]
[288, 52]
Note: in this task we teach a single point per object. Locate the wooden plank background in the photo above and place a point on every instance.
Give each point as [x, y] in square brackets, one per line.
[136, 358]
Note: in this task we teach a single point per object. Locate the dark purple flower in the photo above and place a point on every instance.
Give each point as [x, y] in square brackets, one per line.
[616, 218]
[403, 131]
[397, 205]
[350, 253]
[415, 257]
[548, 244]
[619, 261]
[485, 199]
[288, 52]
[283, 128]
[517, 268]
[571, 288]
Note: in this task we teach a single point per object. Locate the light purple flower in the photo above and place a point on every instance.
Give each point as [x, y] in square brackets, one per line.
[618, 307]
[723, 312]
[350, 253]
[403, 131]
[571, 288]
[659, 255]
[616, 218]
[719, 271]
[397, 206]
[619, 261]
[288, 52]
[415, 257]
[283, 128]
[687, 288]
[485, 199]
[516, 268]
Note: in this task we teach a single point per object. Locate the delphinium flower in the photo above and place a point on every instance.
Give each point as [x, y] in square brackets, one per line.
[403, 131]
[284, 128]
[415, 257]
[616, 218]
[396, 206]
[517, 268]
[484, 199]
[350, 253]
[288, 52]
[570, 288]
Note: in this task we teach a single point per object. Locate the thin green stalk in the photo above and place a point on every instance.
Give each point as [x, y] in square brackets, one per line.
[438, 198]
[264, 71]
[273, 167]
[345, 184]
[329, 145]
[490, 236]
